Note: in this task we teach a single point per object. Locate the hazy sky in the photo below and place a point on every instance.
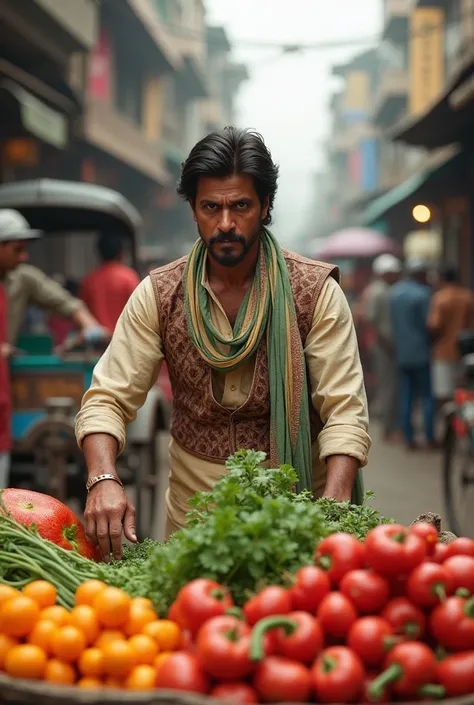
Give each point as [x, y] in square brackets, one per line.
[286, 98]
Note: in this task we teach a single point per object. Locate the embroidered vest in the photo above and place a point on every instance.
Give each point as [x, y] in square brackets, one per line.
[199, 423]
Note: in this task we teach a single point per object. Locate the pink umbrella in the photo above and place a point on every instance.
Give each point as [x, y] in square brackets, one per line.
[357, 243]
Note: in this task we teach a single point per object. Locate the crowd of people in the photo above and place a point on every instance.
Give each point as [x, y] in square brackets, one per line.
[415, 320]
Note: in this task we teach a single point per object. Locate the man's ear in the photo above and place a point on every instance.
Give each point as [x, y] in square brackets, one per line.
[266, 208]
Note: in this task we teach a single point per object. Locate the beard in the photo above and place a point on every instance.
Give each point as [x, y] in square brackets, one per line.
[222, 247]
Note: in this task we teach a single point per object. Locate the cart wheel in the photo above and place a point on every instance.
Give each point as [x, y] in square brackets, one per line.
[458, 480]
[148, 485]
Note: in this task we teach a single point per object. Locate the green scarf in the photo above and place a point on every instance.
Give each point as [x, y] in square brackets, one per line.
[268, 307]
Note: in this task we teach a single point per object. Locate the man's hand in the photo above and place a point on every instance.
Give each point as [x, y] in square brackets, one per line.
[342, 471]
[108, 510]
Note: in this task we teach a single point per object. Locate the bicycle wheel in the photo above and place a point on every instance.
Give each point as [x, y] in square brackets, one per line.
[458, 481]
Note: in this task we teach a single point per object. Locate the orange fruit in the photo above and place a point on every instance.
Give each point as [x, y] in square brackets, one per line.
[119, 659]
[112, 606]
[42, 592]
[84, 618]
[145, 649]
[6, 592]
[161, 657]
[143, 601]
[18, 616]
[59, 672]
[68, 643]
[141, 678]
[6, 643]
[109, 635]
[115, 683]
[88, 591]
[91, 663]
[42, 635]
[57, 614]
[140, 616]
[166, 633]
[25, 661]
[89, 683]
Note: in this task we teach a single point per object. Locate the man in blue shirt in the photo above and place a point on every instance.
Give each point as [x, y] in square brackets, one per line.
[409, 309]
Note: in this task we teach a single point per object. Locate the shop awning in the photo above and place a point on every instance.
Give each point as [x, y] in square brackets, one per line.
[380, 206]
[448, 119]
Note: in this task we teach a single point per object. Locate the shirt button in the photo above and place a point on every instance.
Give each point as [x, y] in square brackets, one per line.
[233, 387]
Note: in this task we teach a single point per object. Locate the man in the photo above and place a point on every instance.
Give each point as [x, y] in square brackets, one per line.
[238, 322]
[452, 311]
[386, 270]
[409, 307]
[26, 285]
[107, 289]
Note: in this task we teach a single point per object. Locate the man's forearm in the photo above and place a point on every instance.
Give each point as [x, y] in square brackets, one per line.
[100, 452]
[83, 318]
[342, 471]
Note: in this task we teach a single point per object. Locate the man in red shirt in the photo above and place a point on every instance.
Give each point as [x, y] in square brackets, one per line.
[107, 289]
[14, 232]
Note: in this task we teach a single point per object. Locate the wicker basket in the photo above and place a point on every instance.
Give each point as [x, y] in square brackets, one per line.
[17, 692]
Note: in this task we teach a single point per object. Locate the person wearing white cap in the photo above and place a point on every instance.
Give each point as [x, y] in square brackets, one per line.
[386, 269]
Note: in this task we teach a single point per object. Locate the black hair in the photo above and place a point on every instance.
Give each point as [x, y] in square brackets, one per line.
[110, 246]
[228, 152]
[450, 274]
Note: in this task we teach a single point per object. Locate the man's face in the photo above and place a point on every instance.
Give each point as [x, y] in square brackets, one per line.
[391, 278]
[12, 254]
[229, 217]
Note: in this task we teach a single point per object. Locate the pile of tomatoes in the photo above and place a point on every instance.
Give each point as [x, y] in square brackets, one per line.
[106, 640]
[388, 619]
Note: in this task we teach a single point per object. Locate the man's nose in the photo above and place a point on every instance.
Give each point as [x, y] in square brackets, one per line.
[23, 258]
[226, 221]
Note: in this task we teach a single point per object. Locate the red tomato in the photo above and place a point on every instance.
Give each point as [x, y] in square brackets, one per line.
[273, 600]
[452, 624]
[309, 588]
[338, 676]
[429, 584]
[405, 618]
[368, 591]
[456, 674]
[440, 553]
[371, 638]
[408, 667]
[181, 671]
[393, 550]
[174, 614]
[461, 569]
[278, 679]
[223, 648]
[240, 693]
[460, 547]
[201, 600]
[338, 554]
[53, 520]
[305, 643]
[428, 533]
[336, 615]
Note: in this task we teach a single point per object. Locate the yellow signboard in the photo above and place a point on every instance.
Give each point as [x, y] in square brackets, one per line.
[357, 93]
[426, 57]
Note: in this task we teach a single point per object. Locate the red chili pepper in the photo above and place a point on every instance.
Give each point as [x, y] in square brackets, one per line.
[310, 587]
[338, 676]
[371, 638]
[456, 674]
[367, 590]
[338, 554]
[223, 648]
[278, 679]
[273, 600]
[405, 618]
[429, 584]
[304, 643]
[408, 667]
[393, 550]
[452, 624]
[201, 600]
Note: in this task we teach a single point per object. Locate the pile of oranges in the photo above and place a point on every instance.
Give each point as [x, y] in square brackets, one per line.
[107, 640]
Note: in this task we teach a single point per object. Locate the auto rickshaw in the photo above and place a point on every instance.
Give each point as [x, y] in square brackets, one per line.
[47, 387]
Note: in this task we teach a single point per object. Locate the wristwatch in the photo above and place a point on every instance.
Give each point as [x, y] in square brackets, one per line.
[98, 478]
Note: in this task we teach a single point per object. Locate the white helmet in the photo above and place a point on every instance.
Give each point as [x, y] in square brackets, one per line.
[386, 264]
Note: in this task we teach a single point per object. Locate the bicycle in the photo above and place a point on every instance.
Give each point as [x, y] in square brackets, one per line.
[458, 446]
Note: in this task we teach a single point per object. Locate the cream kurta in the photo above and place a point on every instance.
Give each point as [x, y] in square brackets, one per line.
[131, 364]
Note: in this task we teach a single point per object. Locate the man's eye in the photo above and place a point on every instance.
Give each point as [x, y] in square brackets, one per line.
[210, 206]
[241, 205]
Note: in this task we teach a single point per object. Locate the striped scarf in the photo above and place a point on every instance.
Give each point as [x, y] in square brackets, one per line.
[268, 308]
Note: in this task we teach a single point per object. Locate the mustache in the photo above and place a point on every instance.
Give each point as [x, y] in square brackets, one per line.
[227, 238]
